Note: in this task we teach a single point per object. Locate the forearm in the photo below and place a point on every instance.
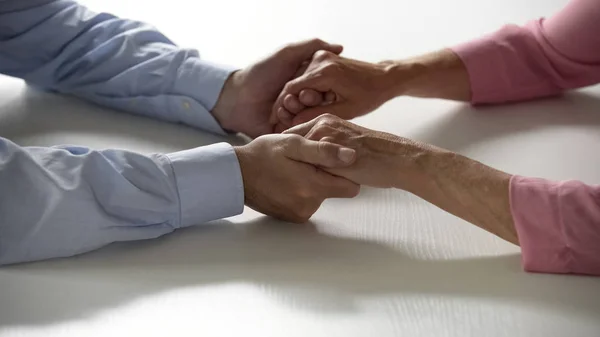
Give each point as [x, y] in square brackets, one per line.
[557, 224]
[542, 58]
[464, 187]
[440, 74]
[124, 64]
[62, 202]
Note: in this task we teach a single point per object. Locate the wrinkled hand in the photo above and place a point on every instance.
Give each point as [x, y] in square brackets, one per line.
[382, 159]
[333, 84]
[461, 186]
[282, 177]
[248, 95]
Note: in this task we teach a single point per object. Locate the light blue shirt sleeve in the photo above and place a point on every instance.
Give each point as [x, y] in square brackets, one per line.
[57, 202]
[127, 65]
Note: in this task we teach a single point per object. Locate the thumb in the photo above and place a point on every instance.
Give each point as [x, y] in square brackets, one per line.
[304, 50]
[319, 153]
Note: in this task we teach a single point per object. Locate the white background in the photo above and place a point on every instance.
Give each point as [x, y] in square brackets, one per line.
[383, 264]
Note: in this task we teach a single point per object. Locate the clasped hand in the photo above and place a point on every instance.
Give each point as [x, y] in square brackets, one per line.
[336, 85]
[288, 176]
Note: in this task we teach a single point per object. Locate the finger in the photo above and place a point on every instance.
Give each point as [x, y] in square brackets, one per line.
[330, 134]
[303, 53]
[321, 154]
[311, 80]
[306, 116]
[337, 187]
[305, 49]
[292, 104]
[280, 128]
[301, 69]
[301, 129]
[309, 115]
[328, 139]
[311, 98]
[285, 117]
[330, 97]
[335, 48]
[293, 87]
[274, 118]
[324, 134]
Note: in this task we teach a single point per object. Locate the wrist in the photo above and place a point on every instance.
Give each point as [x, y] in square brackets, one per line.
[402, 159]
[224, 109]
[466, 188]
[399, 74]
[440, 74]
[416, 165]
[242, 155]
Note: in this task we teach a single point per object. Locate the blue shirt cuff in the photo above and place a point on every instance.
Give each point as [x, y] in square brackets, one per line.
[196, 91]
[209, 181]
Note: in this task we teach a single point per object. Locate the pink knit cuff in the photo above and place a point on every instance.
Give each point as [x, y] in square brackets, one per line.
[558, 224]
[535, 211]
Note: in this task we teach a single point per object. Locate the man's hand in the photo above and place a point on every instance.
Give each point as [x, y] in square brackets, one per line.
[248, 95]
[332, 84]
[282, 177]
[464, 187]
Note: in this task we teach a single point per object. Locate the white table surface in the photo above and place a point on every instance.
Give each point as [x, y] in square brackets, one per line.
[382, 264]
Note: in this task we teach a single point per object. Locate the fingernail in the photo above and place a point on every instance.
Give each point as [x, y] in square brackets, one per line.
[346, 155]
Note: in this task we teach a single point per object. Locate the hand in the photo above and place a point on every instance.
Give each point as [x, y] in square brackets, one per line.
[332, 84]
[464, 187]
[282, 177]
[248, 95]
[382, 159]
[348, 88]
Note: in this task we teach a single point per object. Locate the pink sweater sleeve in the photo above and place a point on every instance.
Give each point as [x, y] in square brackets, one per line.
[558, 223]
[543, 58]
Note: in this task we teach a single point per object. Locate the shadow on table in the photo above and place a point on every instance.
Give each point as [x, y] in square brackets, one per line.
[37, 112]
[296, 264]
[468, 125]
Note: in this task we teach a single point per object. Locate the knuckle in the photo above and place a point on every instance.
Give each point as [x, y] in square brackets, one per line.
[315, 41]
[332, 121]
[330, 69]
[293, 140]
[329, 117]
[287, 88]
[328, 151]
[328, 139]
[326, 121]
[291, 145]
[319, 131]
[322, 120]
[323, 55]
